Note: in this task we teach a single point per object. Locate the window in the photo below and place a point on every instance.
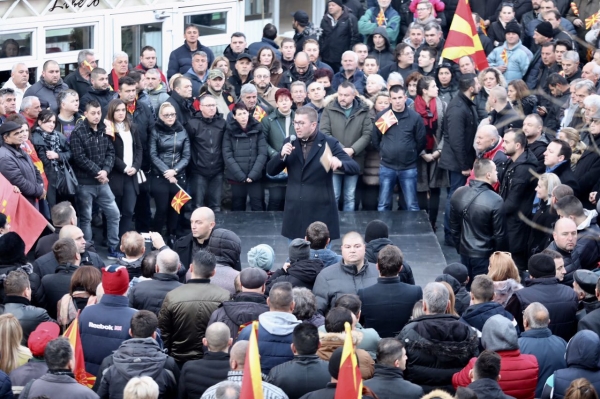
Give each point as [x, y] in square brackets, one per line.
[15, 44]
[69, 39]
[210, 24]
[218, 50]
[259, 9]
[135, 37]
[66, 69]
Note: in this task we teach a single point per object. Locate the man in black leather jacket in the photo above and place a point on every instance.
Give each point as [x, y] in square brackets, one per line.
[477, 219]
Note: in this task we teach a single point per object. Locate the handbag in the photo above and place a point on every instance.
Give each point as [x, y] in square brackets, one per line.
[66, 182]
[141, 177]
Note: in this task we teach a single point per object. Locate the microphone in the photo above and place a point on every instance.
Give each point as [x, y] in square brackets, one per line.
[292, 139]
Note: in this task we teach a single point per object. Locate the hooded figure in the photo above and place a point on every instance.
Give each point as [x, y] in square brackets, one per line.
[302, 270]
[519, 373]
[462, 301]
[384, 56]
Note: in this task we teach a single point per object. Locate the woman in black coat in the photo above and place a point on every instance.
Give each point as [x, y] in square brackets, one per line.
[542, 214]
[122, 179]
[170, 155]
[12, 257]
[497, 29]
[51, 147]
[245, 155]
[16, 166]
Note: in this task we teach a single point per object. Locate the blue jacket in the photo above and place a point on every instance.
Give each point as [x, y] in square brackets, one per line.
[477, 315]
[358, 79]
[103, 327]
[197, 83]
[180, 60]
[519, 58]
[274, 338]
[326, 255]
[5, 386]
[255, 47]
[548, 349]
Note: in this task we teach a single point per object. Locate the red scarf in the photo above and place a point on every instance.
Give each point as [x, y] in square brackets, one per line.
[115, 79]
[421, 108]
[131, 107]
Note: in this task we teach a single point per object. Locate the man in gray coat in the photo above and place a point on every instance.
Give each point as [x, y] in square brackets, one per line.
[48, 87]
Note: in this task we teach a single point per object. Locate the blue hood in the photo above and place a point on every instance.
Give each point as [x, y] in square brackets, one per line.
[583, 350]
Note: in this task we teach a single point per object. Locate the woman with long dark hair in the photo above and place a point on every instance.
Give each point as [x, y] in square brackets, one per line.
[122, 179]
[266, 57]
[82, 292]
[521, 98]
[447, 85]
[52, 149]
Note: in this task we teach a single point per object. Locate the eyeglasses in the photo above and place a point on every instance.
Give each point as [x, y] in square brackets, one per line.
[169, 115]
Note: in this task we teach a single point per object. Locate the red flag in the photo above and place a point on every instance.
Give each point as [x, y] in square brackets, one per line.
[349, 385]
[252, 379]
[463, 38]
[72, 334]
[24, 219]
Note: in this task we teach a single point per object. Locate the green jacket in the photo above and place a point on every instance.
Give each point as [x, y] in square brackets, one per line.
[274, 131]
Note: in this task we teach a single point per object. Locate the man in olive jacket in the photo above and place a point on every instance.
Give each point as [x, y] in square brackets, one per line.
[346, 117]
[186, 310]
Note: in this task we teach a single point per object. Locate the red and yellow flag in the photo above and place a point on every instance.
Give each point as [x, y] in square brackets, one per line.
[349, 385]
[259, 113]
[591, 20]
[82, 376]
[463, 38]
[179, 200]
[504, 56]
[252, 379]
[386, 121]
[380, 18]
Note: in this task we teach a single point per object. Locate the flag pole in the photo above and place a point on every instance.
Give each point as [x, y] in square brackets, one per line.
[186, 193]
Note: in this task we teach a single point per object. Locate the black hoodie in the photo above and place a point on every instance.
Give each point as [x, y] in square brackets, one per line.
[241, 310]
[302, 273]
[384, 57]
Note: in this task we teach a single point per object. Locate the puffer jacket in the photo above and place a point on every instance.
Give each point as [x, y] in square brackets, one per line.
[244, 152]
[477, 315]
[169, 149]
[583, 357]
[274, 338]
[477, 220]
[137, 357]
[244, 308]
[18, 168]
[302, 273]
[519, 58]
[292, 75]
[150, 294]
[275, 131]
[353, 131]
[331, 341]
[184, 317]
[29, 316]
[46, 93]
[327, 256]
[226, 246]
[338, 36]
[437, 346]
[340, 279]
[158, 96]
[372, 251]
[303, 374]
[206, 138]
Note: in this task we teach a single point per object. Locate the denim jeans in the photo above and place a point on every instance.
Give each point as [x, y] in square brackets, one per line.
[475, 266]
[349, 183]
[208, 191]
[456, 180]
[103, 196]
[408, 183]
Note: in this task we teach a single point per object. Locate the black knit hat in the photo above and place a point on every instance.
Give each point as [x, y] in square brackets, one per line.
[541, 265]
[376, 229]
[12, 249]
[513, 27]
[338, 2]
[458, 271]
[299, 250]
[545, 29]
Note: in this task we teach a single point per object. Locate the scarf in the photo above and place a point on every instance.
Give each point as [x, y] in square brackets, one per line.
[131, 107]
[29, 149]
[53, 145]
[429, 114]
[115, 79]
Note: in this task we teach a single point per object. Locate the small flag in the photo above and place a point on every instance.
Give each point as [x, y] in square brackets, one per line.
[109, 129]
[72, 334]
[591, 20]
[179, 200]
[562, 73]
[88, 65]
[505, 56]
[252, 379]
[380, 18]
[482, 26]
[259, 113]
[386, 121]
[574, 8]
[349, 385]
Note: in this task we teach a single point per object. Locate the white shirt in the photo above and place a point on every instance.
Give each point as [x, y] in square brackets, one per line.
[18, 92]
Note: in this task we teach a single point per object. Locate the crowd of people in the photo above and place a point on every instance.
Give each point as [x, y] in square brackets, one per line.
[359, 112]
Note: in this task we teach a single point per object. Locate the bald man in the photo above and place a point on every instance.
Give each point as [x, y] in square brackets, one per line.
[578, 253]
[223, 243]
[213, 367]
[503, 115]
[48, 263]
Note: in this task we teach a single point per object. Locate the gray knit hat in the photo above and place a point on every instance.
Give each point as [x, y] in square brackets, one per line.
[261, 256]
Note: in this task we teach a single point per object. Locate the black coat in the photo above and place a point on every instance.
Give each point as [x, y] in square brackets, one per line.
[183, 107]
[206, 139]
[57, 285]
[41, 146]
[538, 148]
[590, 321]
[301, 375]
[372, 251]
[538, 239]
[29, 316]
[102, 96]
[566, 176]
[199, 375]
[244, 151]
[387, 306]
[488, 388]
[150, 294]
[169, 149]
[143, 121]
[38, 297]
[505, 119]
[388, 382]
[18, 168]
[336, 39]
[47, 263]
[309, 195]
[244, 308]
[517, 189]
[462, 121]
[118, 178]
[78, 83]
[587, 172]
[480, 102]
[292, 75]
[302, 273]
[477, 315]
[477, 220]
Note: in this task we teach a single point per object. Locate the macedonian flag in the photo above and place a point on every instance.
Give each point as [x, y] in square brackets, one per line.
[591, 20]
[386, 121]
[349, 385]
[252, 379]
[504, 56]
[72, 334]
[179, 200]
[259, 113]
[463, 39]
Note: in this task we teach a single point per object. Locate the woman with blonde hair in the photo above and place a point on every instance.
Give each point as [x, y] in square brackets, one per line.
[12, 353]
[581, 388]
[578, 147]
[141, 388]
[505, 275]
[451, 309]
[542, 215]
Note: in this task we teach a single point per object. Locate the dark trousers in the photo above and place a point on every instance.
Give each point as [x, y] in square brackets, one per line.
[456, 180]
[239, 192]
[475, 266]
[430, 201]
[276, 198]
[208, 191]
[126, 204]
[142, 211]
[163, 193]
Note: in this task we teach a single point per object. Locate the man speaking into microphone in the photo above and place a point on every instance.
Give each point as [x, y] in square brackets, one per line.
[310, 161]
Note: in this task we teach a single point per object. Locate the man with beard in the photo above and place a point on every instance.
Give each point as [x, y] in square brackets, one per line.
[19, 82]
[311, 47]
[157, 89]
[265, 90]
[552, 108]
[301, 71]
[303, 29]
[242, 72]
[79, 79]
[181, 99]
[236, 47]
[100, 91]
[48, 87]
[547, 67]
[537, 142]
[214, 86]
[148, 62]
